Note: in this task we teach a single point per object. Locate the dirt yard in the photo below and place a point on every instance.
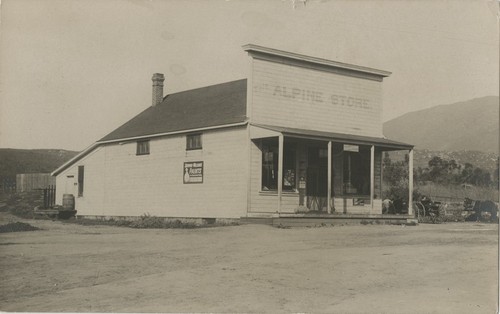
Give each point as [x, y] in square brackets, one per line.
[447, 268]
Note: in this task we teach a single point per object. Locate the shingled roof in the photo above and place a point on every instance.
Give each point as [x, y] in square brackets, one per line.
[209, 106]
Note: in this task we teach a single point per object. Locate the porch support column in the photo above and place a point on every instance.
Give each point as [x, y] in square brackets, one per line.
[280, 170]
[372, 174]
[329, 175]
[410, 183]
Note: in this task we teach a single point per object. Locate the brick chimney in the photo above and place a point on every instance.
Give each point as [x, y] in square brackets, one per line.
[158, 79]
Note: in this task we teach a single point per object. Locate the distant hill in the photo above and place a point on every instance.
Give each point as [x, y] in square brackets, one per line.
[421, 157]
[14, 161]
[471, 125]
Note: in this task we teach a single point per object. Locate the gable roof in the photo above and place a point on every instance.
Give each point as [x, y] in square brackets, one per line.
[208, 106]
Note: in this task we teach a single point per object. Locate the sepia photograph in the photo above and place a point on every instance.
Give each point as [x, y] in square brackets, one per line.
[249, 156]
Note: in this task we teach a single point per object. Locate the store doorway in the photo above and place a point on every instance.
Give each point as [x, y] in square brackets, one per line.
[317, 179]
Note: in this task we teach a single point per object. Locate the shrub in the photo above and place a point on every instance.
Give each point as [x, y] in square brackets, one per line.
[22, 204]
[146, 221]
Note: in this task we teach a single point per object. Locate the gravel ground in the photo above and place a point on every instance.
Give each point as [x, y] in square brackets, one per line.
[446, 268]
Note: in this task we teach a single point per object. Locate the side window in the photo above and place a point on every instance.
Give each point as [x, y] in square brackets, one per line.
[142, 148]
[81, 175]
[269, 166]
[193, 141]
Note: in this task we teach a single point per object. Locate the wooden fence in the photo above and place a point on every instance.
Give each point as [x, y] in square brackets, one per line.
[49, 196]
[34, 181]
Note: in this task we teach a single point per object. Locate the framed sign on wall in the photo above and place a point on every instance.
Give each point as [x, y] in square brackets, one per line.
[193, 172]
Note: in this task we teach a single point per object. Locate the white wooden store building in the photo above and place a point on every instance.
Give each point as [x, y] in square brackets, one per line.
[300, 135]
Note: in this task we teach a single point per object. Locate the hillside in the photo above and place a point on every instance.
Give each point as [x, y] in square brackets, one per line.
[484, 160]
[14, 161]
[471, 125]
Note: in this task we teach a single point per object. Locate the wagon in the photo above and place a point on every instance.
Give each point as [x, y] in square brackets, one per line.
[427, 208]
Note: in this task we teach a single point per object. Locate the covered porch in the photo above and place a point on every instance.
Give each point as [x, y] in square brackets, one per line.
[303, 173]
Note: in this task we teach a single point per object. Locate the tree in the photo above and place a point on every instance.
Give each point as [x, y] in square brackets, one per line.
[396, 175]
[480, 177]
[496, 175]
[467, 172]
[439, 169]
[387, 159]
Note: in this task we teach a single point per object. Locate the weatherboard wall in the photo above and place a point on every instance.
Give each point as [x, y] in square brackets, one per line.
[311, 99]
[94, 190]
[120, 183]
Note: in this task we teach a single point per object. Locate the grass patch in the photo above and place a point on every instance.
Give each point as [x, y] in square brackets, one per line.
[147, 221]
[21, 204]
[457, 193]
[153, 222]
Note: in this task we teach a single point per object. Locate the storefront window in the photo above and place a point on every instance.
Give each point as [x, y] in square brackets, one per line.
[270, 158]
[357, 172]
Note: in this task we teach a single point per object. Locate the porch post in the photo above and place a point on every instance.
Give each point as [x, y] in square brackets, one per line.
[280, 170]
[410, 183]
[372, 174]
[329, 175]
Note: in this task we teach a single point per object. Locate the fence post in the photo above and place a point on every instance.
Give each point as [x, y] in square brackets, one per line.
[53, 196]
[45, 198]
[50, 197]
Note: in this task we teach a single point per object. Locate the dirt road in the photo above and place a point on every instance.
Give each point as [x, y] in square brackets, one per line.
[447, 268]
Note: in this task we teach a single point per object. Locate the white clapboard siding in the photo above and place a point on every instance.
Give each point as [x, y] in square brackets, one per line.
[67, 181]
[289, 202]
[297, 97]
[119, 183]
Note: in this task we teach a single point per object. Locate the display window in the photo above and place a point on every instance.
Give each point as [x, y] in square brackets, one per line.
[270, 159]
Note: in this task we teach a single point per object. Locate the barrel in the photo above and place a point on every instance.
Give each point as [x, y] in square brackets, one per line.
[68, 202]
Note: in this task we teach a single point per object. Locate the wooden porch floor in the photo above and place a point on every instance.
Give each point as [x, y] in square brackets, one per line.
[316, 219]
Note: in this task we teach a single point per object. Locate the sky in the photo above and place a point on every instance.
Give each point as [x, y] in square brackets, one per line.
[71, 71]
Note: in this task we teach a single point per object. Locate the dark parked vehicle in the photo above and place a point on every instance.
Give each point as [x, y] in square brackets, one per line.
[486, 211]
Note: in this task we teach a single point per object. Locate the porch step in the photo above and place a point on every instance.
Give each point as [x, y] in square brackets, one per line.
[326, 221]
[411, 222]
[256, 220]
[318, 222]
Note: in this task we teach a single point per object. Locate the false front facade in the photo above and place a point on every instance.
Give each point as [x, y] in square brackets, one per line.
[298, 135]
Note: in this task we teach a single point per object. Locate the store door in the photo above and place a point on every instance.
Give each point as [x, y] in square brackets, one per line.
[317, 179]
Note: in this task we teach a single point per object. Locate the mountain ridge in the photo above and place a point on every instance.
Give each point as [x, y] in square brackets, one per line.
[15, 161]
[471, 125]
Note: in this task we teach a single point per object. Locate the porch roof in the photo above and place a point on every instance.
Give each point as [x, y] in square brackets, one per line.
[337, 137]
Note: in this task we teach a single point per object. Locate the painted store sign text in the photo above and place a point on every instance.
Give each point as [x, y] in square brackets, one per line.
[320, 97]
